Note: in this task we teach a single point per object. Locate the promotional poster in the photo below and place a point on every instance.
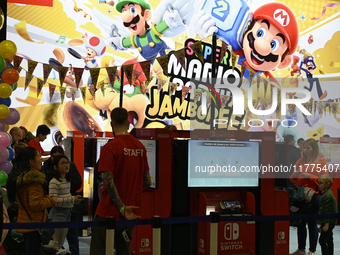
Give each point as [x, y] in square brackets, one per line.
[276, 64]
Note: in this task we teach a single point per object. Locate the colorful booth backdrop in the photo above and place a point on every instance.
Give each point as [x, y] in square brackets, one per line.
[70, 75]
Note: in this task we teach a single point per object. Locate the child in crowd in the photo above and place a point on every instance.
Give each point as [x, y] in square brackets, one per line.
[42, 132]
[327, 206]
[60, 188]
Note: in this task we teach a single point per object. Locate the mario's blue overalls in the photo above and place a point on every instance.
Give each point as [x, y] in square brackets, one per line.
[151, 50]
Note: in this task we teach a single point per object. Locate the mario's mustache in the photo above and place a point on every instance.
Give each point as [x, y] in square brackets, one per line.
[269, 58]
[133, 21]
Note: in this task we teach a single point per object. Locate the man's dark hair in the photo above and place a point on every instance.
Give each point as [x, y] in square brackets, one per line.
[288, 138]
[299, 140]
[43, 129]
[119, 115]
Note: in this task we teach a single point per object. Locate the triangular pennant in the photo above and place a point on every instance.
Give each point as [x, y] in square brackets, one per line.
[243, 69]
[28, 79]
[102, 87]
[197, 48]
[224, 49]
[128, 70]
[198, 37]
[160, 84]
[46, 69]
[73, 94]
[17, 61]
[51, 90]
[135, 75]
[185, 91]
[173, 86]
[40, 84]
[251, 76]
[111, 72]
[62, 74]
[31, 66]
[315, 103]
[197, 94]
[224, 99]
[19, 69]
[258, 80]
[83, 93]
[233, 59]
[92, 89]
[178, 45]
[208, 39]
[180, 55]
[148, 82]
[146, 68]
[118, 73]
[94, 72]
[335, 106]
[163, 62]
[78, 73]
[62, 93]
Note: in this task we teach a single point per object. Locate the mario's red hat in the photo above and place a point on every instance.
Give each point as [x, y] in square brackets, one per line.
[283, 18]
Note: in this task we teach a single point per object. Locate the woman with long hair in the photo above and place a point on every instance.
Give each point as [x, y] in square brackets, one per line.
[25, 185]
[307, 171]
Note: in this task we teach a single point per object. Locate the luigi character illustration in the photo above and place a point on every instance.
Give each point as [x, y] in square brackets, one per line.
[135, 14]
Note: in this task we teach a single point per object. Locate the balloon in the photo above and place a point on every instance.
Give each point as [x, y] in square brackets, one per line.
[4, 111]
[6, 101]
[8, 49]
[4, 154]
[11, 154]
[2, 64]
[3, 178]
[6, 166]
[10, 76]
[5, 90]
[4, 140]
[13, 117]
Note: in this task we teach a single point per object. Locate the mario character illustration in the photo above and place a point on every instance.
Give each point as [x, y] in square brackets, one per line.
[135, 14]
[268, 43]
[310, 66]
[95, 47]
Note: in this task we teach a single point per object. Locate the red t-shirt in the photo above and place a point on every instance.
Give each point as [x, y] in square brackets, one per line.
[33, 143]
[315, 171]
[125, 157]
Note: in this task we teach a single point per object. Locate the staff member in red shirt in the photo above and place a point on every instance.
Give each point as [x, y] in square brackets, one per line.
[42, 132]
[307, 171]
[125, 170]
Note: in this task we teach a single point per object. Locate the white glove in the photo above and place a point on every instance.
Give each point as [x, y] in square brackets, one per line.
[116, 43]
[205, 25]
[173, 19]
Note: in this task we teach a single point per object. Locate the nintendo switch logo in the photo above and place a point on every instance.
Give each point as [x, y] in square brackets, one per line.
[231, 231]
[281, 235]
[145, 242]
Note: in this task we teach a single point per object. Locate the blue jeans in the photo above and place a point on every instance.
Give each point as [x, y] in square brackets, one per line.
[72, 237]
[312, 227]
[32, 242]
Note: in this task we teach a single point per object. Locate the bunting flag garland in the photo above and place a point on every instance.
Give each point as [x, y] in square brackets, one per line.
[128, 70]
[47, 70]
[111, 72]
[28, 79]
[160, 84]
[197, 48]
[118, 75]
[163, 62]
[78, 73]
[251, 76]
[17, 62]
[180, 55]
[266, 88]
[19, 69]
[146, 65]
[102, 87]
[173, 86]
[258, 80]
[185, 91]
[92, 89]
[83, 93]
[320, 109]
[224, 49]
[197, 94]
[73, 94]
[135, 76]
[148, 82]
[315, 103]
[40, 84]
[31, 66]
[94, 72]
[62, 94]
[51, 90]
[62, 74]
[233, 59]
[335, 106]
[243, 69]
[224, 99]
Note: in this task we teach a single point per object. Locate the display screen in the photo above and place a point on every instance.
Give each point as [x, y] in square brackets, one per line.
[152, 154]
[100, 143]
[223, 163]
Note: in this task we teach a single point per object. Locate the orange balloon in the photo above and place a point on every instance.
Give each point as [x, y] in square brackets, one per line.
[10, 76]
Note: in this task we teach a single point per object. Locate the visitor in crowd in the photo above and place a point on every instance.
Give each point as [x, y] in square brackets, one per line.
[42, 132]
[26, 135]
[15, 132]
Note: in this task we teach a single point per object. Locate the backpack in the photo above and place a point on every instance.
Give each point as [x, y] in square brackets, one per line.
[300, 199]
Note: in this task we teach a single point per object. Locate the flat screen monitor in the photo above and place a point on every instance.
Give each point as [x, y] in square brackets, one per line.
[100, 143]
[223, 163]
[152, 154]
